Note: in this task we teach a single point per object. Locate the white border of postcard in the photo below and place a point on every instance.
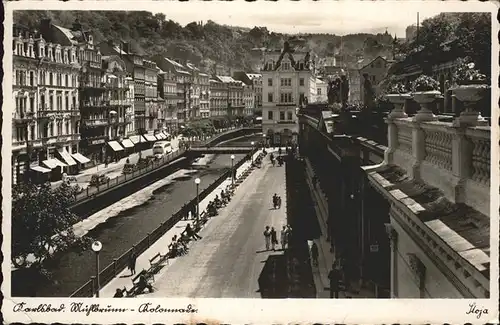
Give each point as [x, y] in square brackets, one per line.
[245, 311]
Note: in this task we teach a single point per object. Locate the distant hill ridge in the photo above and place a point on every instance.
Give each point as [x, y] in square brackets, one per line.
[205, 44]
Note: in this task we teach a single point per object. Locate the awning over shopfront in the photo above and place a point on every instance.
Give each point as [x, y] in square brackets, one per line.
[53, 163]
[160, 136]
[150, 137]
[127, 143]
[67, 157]
[166, 133]
[80, 158]
[40, 169]
[137, 138]
[115, 146]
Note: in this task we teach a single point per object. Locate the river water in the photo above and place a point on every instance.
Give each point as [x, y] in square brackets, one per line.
[127, 221]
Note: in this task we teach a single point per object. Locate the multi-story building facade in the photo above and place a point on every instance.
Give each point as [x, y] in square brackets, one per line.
[204, 80]
[354, 86]
[183, 85]
[137, 71]
[151, 95]
[120, 114]
[248, 100]
[167, 90]
[45, 91]
[129, 98]
[289, 81]
[375, 71]
[87, 98]
[321, 91]
[255, 80]
[219, 94]
[235, 105]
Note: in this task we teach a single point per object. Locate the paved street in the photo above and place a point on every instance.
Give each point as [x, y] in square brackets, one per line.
[229, 259]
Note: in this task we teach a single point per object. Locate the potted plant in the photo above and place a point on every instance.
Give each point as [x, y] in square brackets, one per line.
[397, 93]
[471, 87]
[425, 90]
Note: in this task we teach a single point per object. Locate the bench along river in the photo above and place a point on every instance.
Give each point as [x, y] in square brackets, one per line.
[127, 221]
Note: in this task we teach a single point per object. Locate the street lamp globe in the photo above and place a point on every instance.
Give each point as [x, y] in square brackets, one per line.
[252, 143]
[96, 246]
[197, 181]
[232, 157]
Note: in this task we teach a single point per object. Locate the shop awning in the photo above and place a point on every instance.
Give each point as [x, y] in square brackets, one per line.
[40, 169]
[115, 146]
[80, 158]
[160, 136]
[53, 163]
[166, 133]
[67, 157]
[127, 143]
[137, 138]
[150, 137]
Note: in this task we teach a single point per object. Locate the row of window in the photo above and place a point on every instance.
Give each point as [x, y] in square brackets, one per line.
[289, 115]
[23, 78]
[285, 82]
[284, 97]
[49, 129]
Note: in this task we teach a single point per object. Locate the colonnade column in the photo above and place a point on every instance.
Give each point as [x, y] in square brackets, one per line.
[393, 237]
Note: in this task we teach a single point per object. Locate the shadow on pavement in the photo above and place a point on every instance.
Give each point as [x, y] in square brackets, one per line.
[273, 281]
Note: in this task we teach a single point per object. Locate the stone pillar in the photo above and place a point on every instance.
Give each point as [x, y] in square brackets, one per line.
[392, 130]
[418, 150]
[461, 162]
[393, 238]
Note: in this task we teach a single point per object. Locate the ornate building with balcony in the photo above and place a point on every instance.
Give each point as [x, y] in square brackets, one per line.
[289, 81]
[184, 85]
[410, 218]
[167, 90]
[255, 81]
[219, 94]
[151, 95]
[235, 105]
[53, 137]
[120, 115]
[248, 100]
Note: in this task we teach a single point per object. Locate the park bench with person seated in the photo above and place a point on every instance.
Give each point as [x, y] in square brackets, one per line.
[156, 261]
[137, 288]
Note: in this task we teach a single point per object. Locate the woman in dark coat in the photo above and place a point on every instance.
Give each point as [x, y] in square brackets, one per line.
[131, 262]
[274, 238]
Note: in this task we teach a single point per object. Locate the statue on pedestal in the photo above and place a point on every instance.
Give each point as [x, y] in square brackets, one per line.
[368, 92]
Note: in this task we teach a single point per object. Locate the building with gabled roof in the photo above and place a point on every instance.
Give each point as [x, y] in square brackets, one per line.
[289, 81]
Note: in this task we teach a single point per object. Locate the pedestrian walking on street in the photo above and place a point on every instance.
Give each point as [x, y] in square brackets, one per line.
[267, 237]
[275, 200]
[279, 202]
[284, 238]
[314, 254]
[132, 261]
[274, 238]
[334, 277]
[288, 234]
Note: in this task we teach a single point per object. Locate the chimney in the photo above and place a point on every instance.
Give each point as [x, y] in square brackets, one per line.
[126, 47]
[45, 28]
[76, 26]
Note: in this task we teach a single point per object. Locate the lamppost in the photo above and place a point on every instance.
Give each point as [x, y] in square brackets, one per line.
[96, 247]
[252, 143]
[232, 169]
[264, 138]
[197, 181]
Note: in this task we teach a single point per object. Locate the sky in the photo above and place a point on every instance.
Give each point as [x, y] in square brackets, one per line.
[336, 17]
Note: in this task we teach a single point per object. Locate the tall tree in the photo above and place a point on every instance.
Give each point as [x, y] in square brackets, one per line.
[42, 223]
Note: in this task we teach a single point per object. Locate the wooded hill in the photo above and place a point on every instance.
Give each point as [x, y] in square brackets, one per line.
[205, 44]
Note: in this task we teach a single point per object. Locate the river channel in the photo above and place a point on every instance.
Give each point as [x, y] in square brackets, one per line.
[127, 221]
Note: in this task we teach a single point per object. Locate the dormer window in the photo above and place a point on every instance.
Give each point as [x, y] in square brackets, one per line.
[41, 51]
[285, 66]
[91, 39]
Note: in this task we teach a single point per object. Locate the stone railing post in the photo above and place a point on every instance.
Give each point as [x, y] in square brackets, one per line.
[461, 155]
[398, 100]
[418, 149]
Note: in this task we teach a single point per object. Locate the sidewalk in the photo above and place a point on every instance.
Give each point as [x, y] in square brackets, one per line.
[113, 169]
[124, 279]
[326, 255]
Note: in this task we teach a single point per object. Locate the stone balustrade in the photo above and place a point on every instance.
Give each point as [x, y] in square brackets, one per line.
[450, 157]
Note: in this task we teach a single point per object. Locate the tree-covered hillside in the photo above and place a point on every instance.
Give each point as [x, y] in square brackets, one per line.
[204, 43]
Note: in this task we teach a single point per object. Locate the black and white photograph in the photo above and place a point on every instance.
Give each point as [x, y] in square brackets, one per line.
[323, 157]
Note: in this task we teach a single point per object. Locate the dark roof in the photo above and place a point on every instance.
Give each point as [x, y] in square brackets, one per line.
[464, 229]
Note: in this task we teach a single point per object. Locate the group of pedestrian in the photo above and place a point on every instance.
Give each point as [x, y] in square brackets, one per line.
[276, 201]
[271, 237]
